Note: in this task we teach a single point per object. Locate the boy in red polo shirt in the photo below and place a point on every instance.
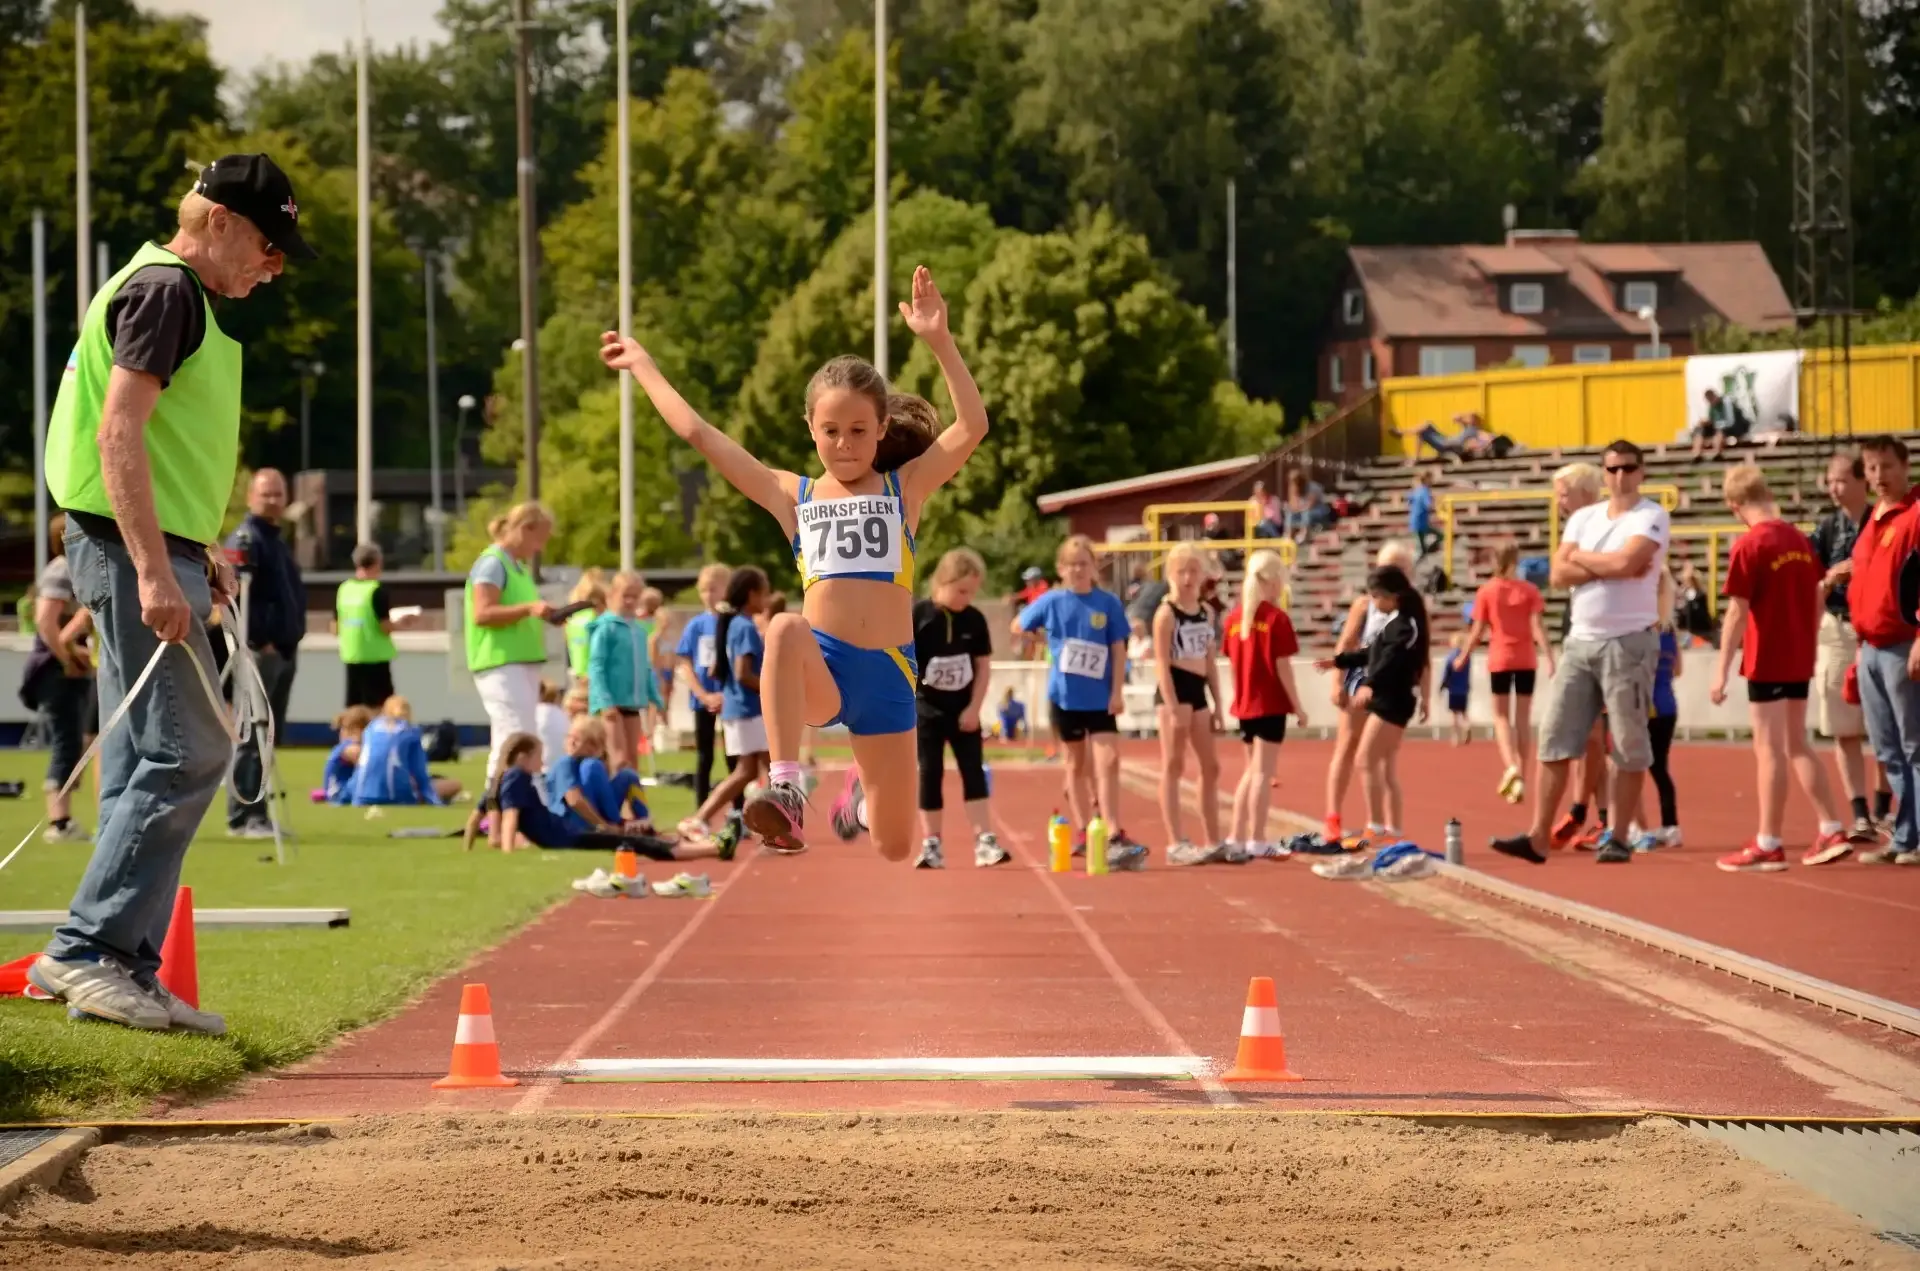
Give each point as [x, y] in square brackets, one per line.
[1889, 657]
[1773, 609]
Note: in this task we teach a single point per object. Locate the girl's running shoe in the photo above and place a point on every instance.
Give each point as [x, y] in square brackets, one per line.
[1828, 848]
[691, 886]
[845, 821]
[1754, 859]
[778, 814]
[1124, 853]
[987, 852]
[1507, 780]
[728, 839]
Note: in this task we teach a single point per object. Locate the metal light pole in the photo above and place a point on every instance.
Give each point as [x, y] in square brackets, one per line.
[529, 353]
[466, 404]
[1648, 316]
[436, 518]
[82, 176]
[40, 509]
[102, 267]
[1233, 285]
[310, 372]
[363, 185]
[625, 230]
[880, 186]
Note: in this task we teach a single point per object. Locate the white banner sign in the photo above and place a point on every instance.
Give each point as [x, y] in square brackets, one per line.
[1755, 392]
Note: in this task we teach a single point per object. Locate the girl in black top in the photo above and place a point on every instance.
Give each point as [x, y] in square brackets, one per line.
[1390, 693]
[955, 654]
[1189, 705]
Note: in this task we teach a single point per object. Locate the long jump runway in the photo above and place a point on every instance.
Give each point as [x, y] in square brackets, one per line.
[1419, 996]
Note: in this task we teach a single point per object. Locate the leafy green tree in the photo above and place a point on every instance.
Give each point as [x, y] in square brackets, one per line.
[580, 483]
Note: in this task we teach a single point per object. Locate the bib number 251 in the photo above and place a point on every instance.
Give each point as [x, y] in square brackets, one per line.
[850, 539]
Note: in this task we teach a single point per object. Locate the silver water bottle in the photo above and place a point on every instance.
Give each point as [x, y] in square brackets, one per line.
[1455, 853]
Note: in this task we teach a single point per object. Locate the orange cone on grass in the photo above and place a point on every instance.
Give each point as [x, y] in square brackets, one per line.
[1263, 1050]
[476, 1055]
[13, 976]
[179, 958]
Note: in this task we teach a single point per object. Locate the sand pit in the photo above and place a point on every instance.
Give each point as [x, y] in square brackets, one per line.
[1052, 1190]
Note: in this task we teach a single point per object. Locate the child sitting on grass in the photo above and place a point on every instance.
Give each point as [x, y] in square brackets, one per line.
[582, 790]
[336, 779]
[393, 762]
[523, 820]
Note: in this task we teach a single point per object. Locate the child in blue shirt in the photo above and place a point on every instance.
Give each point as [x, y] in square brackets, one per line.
[524, 820]
[582, 791]
[1458, 679]
[1013, 717]
[336, 779]
[1087, 632]
[742, 726]
[393, 762]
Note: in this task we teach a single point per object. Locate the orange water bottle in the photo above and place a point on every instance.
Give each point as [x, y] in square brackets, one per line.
[1097, 835]
[1059, 844]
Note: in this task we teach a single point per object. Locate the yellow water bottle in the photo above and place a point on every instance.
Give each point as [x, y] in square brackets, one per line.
[1096, 846]
[1060, 844]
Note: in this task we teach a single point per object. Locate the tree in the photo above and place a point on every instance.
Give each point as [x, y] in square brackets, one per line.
[580, 484]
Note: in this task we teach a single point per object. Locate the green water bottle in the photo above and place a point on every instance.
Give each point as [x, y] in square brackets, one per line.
[1096, 846]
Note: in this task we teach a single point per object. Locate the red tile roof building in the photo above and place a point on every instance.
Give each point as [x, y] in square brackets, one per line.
[1544, 297]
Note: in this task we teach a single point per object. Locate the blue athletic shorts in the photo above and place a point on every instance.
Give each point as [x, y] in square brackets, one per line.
[876, 686]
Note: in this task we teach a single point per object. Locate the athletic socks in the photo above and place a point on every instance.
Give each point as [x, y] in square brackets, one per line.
[784, 770]
[1882, 804]
[1859, 807]
[1767, 842]
[1829, 827]
[61, 823]
[1578, 813]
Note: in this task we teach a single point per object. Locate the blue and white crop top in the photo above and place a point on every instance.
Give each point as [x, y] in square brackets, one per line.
[854, 536]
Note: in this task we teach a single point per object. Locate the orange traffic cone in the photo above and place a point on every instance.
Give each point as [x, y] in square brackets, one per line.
[626, 863]
[1263, 1051]
[476, 1055]
[13, 976]
[179, 960]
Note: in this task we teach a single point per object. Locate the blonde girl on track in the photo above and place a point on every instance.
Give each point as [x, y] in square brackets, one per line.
[849, 659]
[1260, 645]
[1189, 707]
[1365, 621]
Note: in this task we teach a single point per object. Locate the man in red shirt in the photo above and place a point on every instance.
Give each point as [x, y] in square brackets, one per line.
[1772, 596]
[1889, 660]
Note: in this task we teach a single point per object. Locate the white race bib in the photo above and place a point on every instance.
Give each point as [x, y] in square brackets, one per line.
[948, 674]
[1083, 657]
[859, 534]
[1192, 640]
[703, 655]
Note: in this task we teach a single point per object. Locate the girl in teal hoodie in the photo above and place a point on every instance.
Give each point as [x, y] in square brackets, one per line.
[620, 682]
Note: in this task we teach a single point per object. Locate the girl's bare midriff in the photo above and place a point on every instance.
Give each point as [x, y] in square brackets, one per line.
[861, 611]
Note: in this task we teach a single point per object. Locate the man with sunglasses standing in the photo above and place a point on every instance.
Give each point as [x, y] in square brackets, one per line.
[1610, 554]
[141, 454]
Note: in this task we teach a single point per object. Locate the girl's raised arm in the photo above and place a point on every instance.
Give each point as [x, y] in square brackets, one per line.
[927, 318]
[741, 470]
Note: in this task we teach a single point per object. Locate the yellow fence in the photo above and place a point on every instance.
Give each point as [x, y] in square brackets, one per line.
[1645, 402]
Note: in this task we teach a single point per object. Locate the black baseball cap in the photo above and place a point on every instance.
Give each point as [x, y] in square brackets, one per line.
[255, 187]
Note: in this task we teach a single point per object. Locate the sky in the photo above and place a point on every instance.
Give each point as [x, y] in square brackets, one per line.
[246, 35]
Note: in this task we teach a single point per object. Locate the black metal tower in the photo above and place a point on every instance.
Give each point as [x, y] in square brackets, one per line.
[1823, 211]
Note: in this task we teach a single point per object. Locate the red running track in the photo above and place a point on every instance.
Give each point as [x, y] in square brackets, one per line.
[1849, 923]
[837, 954]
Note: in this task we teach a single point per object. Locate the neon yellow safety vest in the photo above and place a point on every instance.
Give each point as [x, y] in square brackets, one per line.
[192, 437]
[522, 641]
[361, 638]
[579, 642]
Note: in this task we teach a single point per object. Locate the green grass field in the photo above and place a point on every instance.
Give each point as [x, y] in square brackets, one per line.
[420, 909]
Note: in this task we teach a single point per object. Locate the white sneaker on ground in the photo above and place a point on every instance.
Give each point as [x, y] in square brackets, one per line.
[103, 989]
[187, 1019]
[931, 855]
[696, 886]
[71, 832]
[987, 852]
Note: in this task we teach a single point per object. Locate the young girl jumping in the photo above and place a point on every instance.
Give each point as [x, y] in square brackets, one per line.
[1189, 706]
[1086, 628]
[1391, 691]
[1260, 645]
[849, 659]
[955, 651]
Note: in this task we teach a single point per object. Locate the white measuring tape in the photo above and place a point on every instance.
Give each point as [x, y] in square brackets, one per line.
[250, 713]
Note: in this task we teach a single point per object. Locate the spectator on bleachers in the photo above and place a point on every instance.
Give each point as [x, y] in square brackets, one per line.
[1267, 505]
[1307, 511]
[1420, 515]
[1471, 442]
[1723, 422]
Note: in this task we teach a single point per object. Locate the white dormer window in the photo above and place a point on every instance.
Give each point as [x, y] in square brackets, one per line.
[1527, 297]
[1336, 374]
[1636, 296]
[1353, 306]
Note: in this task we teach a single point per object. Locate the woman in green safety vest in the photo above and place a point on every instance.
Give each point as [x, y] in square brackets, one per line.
[506, 639]
[591, 590]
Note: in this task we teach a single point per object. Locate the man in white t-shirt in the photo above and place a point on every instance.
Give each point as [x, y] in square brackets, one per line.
[1610, 554]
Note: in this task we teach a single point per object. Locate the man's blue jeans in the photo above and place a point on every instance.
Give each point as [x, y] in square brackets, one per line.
[1892, 705]
[159, 769]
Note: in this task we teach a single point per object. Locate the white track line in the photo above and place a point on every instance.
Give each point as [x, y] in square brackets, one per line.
[1217, 1093]
[534, 1098]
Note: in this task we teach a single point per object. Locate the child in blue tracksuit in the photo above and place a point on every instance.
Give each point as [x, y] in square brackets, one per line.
[393, 763]
[336, 779]
[621, 689]
[584, 794]
[1458, 679]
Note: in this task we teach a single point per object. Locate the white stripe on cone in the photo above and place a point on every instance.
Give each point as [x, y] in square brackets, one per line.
[477, 1030]
[1256, 1021]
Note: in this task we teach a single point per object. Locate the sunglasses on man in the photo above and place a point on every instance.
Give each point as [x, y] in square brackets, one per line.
[1615, 469]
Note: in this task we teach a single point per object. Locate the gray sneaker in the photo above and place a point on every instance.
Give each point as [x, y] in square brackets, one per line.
[1908, 858]
[187, 1019]
[1880, 856]
[102, 989]
[71, 832]
[987, 852]
[251, 830]
[1185, 853]
[931, 856]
